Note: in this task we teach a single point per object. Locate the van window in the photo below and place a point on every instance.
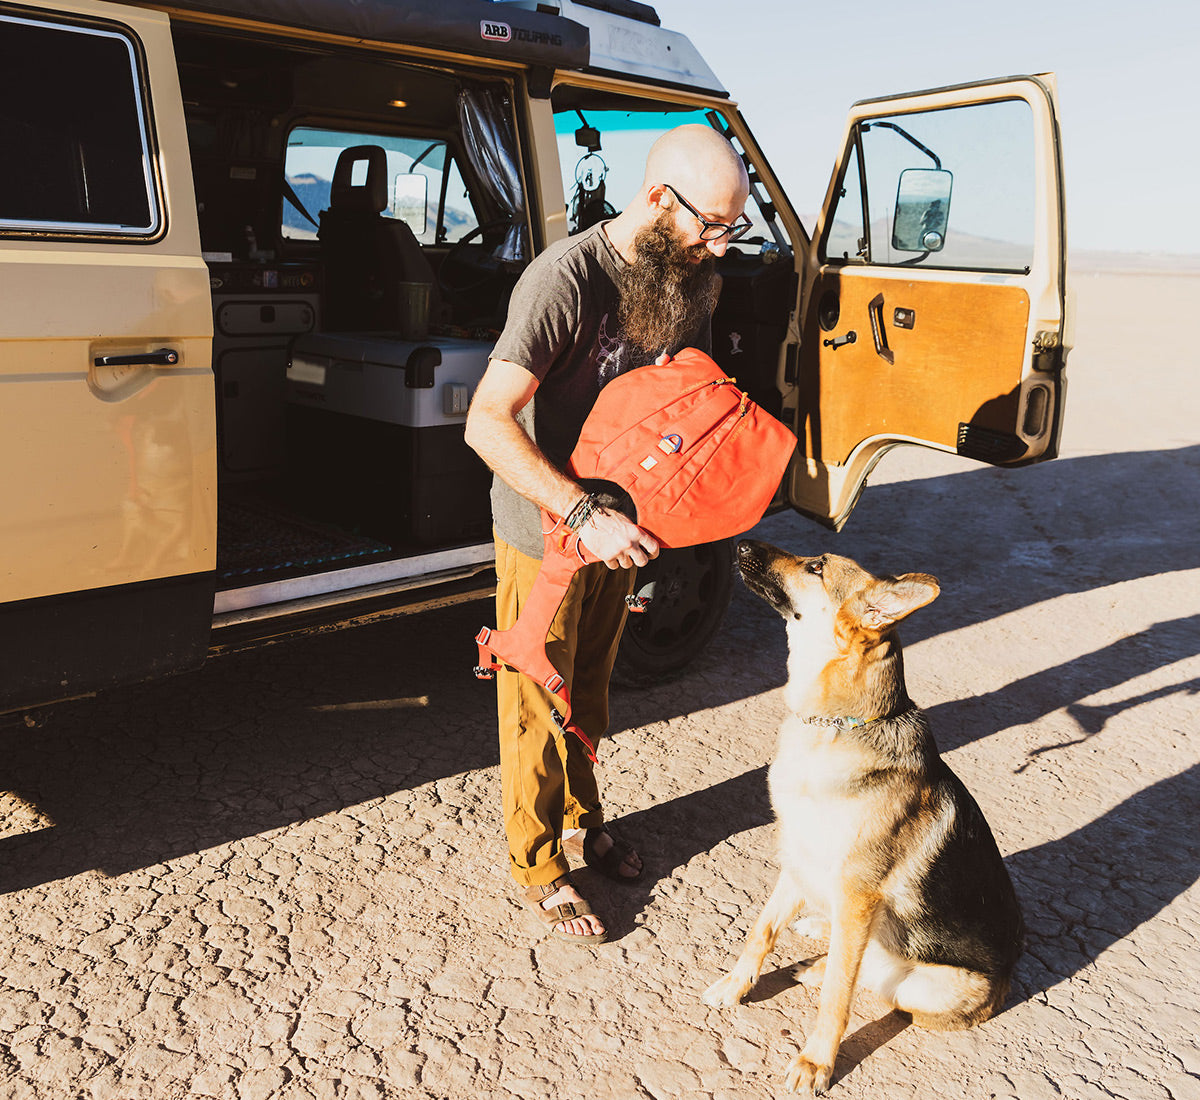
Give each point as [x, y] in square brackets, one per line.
[612, 171]
[73, 131]
[845, 238]
[951, 188]
[600, 180]
[602, 147]
[312, 156]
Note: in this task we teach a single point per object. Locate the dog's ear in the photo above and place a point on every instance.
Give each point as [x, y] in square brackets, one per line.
[889, 601]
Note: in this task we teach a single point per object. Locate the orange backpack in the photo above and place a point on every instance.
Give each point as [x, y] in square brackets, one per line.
[698, 460]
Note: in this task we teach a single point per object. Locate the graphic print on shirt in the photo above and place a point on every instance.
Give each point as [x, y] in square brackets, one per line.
[608, 357]
[616, 354]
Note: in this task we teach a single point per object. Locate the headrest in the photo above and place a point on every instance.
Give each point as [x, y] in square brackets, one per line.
[370, 194]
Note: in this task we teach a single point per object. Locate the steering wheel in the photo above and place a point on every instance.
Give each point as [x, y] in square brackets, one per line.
[456, 257]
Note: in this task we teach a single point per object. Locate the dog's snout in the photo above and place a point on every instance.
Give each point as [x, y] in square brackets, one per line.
[755, 557]
[747, 550]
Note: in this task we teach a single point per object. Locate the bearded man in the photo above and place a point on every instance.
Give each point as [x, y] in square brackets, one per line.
[627, 292]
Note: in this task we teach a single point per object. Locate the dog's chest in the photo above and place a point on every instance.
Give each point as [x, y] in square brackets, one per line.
[819, 820]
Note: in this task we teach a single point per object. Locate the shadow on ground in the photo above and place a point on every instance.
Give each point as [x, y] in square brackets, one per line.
[257, 741]
[251, 742]
[1087, 890]
[998, 541]
[1024, 701]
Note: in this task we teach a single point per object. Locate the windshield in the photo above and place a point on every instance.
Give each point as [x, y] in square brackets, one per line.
[312, 155]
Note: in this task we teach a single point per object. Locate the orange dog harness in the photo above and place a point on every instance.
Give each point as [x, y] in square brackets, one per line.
[693, 459]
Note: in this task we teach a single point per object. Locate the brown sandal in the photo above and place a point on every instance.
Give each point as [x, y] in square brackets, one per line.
[567, 910]
[608, 864]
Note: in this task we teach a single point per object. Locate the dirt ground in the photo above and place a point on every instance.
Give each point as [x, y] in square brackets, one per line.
[284, 876]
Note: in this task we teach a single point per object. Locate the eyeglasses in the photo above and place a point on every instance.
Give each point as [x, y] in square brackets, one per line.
[713, 231]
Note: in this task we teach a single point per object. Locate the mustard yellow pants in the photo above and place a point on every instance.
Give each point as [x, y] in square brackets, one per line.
[547, 781]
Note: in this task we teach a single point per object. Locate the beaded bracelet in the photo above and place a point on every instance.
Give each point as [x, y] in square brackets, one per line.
[582, 512]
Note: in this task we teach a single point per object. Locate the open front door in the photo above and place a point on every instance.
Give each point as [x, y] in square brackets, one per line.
[934, 308]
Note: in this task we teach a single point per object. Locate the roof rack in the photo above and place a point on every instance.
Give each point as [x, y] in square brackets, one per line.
[627, 39]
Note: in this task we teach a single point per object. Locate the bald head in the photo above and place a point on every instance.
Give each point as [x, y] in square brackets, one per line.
[701, 166]
[698, 161]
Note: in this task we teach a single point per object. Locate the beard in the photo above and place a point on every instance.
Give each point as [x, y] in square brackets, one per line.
[665, 295]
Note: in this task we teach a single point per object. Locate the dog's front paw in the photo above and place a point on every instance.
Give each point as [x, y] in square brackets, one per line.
[728, 990]
[806, 1077]
[811, 972]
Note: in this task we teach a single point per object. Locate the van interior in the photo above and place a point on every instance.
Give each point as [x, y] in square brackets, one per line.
[364, 223]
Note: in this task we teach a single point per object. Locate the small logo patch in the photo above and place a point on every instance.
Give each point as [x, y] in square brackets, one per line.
[649, 462]
[495, 32]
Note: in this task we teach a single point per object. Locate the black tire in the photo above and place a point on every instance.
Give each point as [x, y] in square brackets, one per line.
[692, 587]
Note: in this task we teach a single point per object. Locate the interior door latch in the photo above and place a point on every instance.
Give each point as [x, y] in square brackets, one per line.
[838, 341]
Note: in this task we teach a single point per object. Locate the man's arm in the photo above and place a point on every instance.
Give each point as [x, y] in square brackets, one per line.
[495, 435]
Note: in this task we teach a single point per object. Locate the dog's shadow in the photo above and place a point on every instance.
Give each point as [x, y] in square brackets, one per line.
[772, 983]
[859, 1046]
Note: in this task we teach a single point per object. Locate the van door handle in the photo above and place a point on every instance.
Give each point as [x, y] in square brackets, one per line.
[164, 357]
[878, 333]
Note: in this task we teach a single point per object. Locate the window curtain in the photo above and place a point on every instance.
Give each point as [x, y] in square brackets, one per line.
[485, 115]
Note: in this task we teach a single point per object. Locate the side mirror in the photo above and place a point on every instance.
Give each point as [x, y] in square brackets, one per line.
[922, 210]
[410, 194]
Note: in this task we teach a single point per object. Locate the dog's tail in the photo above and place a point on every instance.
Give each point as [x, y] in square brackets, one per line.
[964, 1015]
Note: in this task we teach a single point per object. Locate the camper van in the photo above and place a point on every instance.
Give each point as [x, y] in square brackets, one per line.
[254, 255]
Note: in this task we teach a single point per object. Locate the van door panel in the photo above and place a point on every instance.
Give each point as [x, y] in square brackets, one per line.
[962, 347]
[859, 388]
[109, 531]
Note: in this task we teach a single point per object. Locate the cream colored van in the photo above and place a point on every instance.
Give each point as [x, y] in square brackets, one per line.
[254, 254]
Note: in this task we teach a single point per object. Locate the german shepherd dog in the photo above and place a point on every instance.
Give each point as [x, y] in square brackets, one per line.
[878, 838]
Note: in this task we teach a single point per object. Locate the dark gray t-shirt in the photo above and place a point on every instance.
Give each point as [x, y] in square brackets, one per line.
[562, 327]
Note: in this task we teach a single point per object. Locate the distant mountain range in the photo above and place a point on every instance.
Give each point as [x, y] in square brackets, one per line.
[1081, 260]
[1130, 263]
[313, 192]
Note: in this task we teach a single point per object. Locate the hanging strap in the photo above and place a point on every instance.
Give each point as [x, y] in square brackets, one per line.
[523, 645]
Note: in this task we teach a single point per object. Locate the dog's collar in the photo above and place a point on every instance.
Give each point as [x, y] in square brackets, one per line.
[841, 722]
[845, 722]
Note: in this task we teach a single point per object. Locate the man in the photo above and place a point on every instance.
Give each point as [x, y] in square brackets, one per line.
[627, 292]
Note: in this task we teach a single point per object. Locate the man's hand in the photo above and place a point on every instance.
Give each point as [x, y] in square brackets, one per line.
[616, 540]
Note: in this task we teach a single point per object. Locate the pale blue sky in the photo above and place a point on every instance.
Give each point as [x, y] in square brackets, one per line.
[1128, 84]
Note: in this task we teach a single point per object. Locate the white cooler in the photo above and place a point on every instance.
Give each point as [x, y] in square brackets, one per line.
[375, 435]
